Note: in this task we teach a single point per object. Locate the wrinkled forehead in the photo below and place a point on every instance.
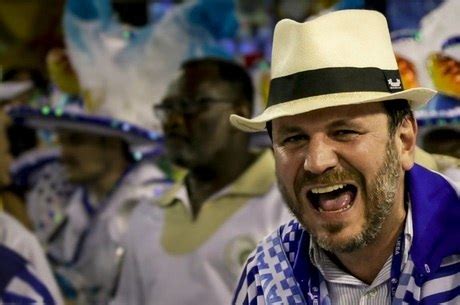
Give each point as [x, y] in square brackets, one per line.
[371, 113]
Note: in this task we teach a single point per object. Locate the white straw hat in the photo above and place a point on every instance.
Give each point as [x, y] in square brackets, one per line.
[341, 58]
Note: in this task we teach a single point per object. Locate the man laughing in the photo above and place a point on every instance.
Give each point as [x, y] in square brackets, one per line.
[372, 226]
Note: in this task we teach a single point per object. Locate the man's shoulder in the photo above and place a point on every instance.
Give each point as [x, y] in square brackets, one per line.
[147, 211]
[144, 180]
[11, 263]
[435, 204]
[424, 179]
[20, 283]
[15, 236]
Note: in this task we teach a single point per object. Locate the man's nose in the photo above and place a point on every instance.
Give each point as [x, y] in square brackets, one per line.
[174, 117]
[320, 156]
[175, 121]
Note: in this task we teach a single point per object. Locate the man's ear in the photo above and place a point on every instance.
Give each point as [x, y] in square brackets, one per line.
[405, 137]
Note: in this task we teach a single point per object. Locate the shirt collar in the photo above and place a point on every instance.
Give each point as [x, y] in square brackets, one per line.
[408, 233]
[255, 181]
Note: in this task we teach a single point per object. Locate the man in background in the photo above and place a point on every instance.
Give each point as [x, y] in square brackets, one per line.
[97, 150]
[25, 276]
[188, 246]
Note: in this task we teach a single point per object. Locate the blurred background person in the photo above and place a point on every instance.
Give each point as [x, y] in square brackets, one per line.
[98, 151]
[201, 231]
[428, 54]
[440, 121]
[37, 175]
[24, 272]
[118, 75]
[20, 86]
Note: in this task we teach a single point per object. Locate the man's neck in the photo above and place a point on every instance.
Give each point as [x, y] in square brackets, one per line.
[366, 263]
[217, 175]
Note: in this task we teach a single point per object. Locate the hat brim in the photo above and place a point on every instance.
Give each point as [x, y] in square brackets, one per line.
[12, 89]
[417, 97]
[92, 124]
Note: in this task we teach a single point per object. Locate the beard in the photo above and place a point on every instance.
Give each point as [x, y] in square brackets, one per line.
[379, 197]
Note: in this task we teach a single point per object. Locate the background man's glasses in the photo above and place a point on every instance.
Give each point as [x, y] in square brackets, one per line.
[185, 107]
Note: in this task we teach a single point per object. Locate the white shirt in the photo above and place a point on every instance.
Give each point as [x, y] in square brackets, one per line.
[15, 237]
[173, 258]
[93, 272]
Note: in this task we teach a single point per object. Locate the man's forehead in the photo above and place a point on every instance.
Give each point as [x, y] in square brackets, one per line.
[195, 77]
[339, 115]
[201, 71]
[195, 84]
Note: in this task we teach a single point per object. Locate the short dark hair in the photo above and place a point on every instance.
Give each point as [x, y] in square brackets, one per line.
[230, 72]
[397, 111]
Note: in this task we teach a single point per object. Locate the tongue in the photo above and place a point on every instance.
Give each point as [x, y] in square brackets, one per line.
[333, 201]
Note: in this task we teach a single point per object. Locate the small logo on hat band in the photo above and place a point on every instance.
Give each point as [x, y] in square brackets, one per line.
[394, 85]
[394, 82]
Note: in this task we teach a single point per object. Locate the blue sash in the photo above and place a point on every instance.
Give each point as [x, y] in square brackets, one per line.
[14, 266]
[11, 264]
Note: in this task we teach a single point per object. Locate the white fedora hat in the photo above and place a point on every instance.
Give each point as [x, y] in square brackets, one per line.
[341, 58]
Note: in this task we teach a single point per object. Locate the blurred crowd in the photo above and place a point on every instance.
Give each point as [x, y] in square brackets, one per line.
[122, 179]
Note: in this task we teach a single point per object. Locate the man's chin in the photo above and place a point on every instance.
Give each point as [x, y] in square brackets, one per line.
[183, 160]
[180, 162]
[341, 242]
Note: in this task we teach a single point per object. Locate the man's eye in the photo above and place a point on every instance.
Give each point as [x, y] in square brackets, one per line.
[294, 139]
[345, 133]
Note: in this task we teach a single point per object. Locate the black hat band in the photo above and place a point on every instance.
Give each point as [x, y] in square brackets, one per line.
[332, 80]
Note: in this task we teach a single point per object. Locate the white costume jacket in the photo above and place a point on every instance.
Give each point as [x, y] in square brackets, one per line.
[173, 258]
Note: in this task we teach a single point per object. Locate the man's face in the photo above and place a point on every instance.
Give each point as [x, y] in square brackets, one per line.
[86, 157]
[340, 173]
[194, 114]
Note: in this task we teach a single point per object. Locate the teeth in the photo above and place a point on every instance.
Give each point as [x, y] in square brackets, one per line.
[327, 189]
[341, 210]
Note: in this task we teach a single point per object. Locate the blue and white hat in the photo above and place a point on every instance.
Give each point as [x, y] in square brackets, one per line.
[70, 113]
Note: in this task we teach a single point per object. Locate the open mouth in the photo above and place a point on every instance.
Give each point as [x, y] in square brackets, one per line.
[334, 198]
